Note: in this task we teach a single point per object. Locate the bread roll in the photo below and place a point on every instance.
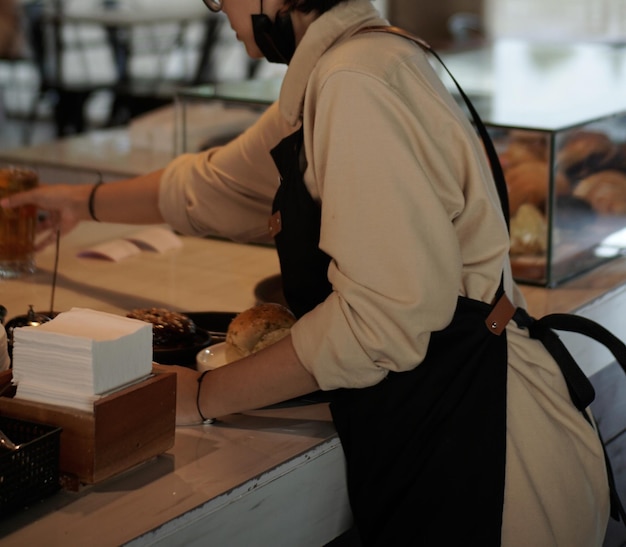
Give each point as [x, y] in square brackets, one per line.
[584, 153]
[604, 191]
[529, 231]
[618, 162]
[525, 146]
[257, 328]
[516, 154]
[529, 182]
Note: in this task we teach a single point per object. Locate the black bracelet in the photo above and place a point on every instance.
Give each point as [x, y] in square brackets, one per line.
[92, 197]
[204, 420]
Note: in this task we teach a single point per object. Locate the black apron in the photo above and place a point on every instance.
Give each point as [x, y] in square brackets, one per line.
[425, 449]
[419, 444]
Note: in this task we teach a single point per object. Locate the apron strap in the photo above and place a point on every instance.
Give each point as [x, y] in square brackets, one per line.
[580, 388]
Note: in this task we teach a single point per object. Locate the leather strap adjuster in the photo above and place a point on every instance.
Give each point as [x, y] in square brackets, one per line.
[501, 313]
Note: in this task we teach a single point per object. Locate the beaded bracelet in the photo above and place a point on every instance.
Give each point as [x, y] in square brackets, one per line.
[204, 420]
[92, 197]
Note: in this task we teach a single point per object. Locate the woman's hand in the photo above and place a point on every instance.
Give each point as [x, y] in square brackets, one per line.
[65, 206]
[132, 201]
[267, 377]
[186, 393]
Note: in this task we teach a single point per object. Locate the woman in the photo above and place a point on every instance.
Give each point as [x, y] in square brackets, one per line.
[393, 248]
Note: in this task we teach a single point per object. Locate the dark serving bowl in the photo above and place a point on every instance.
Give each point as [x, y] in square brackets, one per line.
[212, 321]
[211, 328]
[182, 354]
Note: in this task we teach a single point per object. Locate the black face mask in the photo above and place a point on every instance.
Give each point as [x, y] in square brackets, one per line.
[275, 39]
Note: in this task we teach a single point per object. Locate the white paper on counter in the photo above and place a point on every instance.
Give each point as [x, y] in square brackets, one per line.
[154, 238]
[115, 250]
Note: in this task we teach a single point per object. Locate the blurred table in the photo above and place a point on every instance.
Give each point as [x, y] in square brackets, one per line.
[82, 158]
[73, 45]
[203, 275]
[119, 21]
[269, 477]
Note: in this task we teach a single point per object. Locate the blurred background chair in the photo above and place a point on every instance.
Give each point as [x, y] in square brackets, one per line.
[156, 54]
[12, 46]
[99, 63]
[71, 64]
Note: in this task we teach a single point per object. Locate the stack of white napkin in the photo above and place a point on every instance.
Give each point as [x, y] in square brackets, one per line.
[79, 356]
[5, 361]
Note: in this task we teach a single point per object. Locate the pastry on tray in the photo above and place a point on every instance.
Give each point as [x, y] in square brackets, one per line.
[529, 231]
[585, 152]
[605, 191]
[529, 183]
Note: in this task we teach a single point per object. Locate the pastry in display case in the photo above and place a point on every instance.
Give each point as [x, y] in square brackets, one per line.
[567, 197]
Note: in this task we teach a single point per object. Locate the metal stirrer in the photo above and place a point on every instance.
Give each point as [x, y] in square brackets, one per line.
[55, 270]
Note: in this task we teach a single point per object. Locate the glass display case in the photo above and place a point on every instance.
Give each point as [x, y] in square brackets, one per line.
[557, 115]
[567, 197]
[233, 98]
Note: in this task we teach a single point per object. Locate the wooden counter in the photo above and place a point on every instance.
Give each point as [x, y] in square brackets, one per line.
[248, 479]
[243, 481]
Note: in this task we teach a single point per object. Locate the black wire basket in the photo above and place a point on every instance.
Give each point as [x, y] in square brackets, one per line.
[30, 473]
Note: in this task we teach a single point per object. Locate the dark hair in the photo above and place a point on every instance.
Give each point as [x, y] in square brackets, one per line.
[308, 6]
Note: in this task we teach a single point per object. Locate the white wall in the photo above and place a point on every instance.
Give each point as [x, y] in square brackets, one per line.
[602, 20]
[381, 6]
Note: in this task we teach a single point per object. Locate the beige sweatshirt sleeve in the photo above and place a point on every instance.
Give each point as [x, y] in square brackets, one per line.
[226, 191]
[389, 198]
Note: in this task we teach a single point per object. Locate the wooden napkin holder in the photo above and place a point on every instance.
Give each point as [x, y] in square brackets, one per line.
[126, 428]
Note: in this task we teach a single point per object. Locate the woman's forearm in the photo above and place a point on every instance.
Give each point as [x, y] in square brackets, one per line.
[273, 375]
[133, 201]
